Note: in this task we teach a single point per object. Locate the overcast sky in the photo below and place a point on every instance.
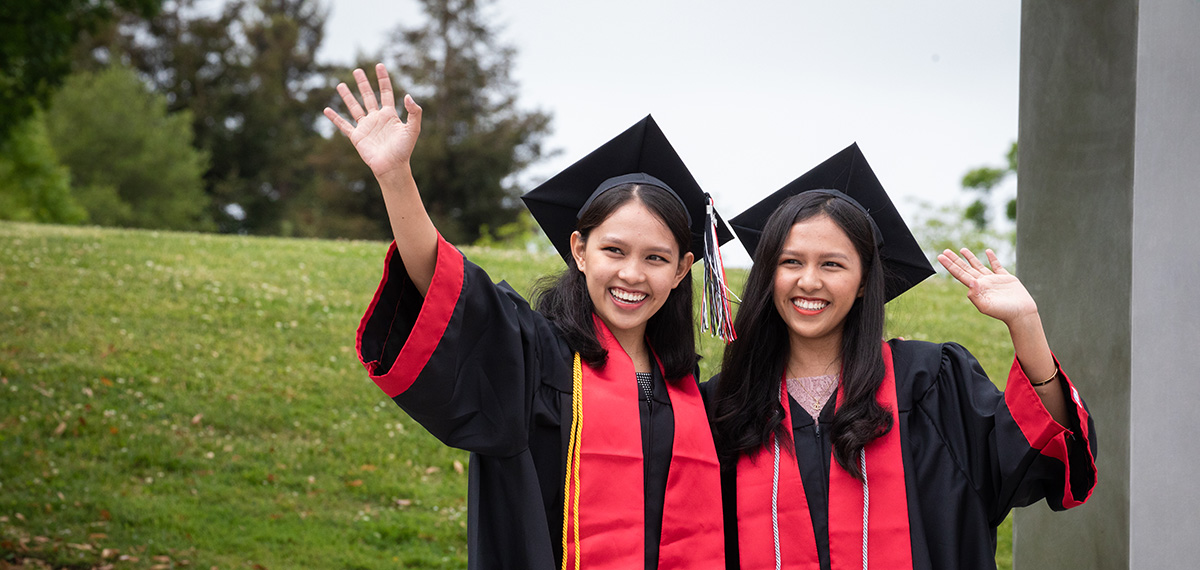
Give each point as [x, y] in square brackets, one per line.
[754, 94]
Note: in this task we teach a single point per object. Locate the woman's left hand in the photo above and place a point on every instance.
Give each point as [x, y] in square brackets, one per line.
[995, 292]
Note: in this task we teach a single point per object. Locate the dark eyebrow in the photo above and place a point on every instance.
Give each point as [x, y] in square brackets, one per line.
[664, 251]
[836, 255]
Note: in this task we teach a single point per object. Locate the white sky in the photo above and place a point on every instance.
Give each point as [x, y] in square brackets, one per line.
[754, 95]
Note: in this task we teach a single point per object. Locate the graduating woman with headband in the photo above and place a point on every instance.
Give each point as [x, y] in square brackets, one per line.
[840, 452]
[590, 445]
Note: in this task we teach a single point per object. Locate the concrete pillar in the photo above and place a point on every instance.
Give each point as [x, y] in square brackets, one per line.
[1108, 217]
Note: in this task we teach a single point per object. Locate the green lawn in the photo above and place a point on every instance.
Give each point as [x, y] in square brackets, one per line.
[181, 400]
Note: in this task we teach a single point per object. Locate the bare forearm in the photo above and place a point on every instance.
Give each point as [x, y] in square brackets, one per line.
[416, 237]
[1033, 352]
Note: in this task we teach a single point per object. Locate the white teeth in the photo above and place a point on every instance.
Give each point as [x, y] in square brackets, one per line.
[810, 305]
[627, 296]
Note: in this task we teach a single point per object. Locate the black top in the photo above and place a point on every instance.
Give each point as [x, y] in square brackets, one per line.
[966, 461]
[498, 384]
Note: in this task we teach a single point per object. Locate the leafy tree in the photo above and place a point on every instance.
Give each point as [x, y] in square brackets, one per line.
[250, 78]
[283, 105]
[474, 138]
[133, 164]
[946, 226]
[36, 39]
[34, 187]
[344, 199]
[982, 181]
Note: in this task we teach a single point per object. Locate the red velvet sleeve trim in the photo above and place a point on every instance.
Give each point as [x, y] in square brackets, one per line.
[1040, 429]
[431, 323]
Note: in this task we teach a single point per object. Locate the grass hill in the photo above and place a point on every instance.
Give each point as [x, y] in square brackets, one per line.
[175, 400]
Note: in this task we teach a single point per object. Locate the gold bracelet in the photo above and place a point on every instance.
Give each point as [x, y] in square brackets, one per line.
[1046, 381]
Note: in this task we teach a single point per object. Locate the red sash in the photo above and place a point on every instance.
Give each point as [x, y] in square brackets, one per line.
[611, 502]
[889, 545]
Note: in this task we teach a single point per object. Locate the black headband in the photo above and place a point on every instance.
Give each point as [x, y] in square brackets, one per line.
[853, 202]
[635, 178]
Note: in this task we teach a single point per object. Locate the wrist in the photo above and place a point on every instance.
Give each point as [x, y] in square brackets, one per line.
[1028, 320]
[1045, 382]
[397, 177]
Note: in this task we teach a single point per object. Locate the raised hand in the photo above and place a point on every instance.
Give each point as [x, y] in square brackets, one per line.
[383, 141]
[994, 291]
[386, 144]
[999, 294]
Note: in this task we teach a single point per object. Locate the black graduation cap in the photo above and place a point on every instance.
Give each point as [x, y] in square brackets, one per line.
[904, 263]
[642, 150]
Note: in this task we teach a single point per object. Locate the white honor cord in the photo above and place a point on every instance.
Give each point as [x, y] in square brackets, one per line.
[862, 462]
[775, 509]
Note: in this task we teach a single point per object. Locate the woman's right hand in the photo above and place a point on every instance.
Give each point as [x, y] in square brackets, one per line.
[383, 141]
[386, 144]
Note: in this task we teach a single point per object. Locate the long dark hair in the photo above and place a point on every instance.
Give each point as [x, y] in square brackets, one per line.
[565, 301]
[747, 409]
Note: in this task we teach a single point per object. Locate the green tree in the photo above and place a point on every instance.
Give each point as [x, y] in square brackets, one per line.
[36, 40]
[474, 138]
[982, 181]
[286, 90]
[250, 78]
[946, 226]
[132, 162]
[344, 199]
[34, 187]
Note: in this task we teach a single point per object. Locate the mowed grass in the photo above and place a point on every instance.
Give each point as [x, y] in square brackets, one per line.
[175, 400]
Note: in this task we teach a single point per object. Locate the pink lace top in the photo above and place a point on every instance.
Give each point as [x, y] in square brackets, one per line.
[812, 392]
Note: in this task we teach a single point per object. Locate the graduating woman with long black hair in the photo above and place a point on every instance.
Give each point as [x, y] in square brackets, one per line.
[840, 452]
[590, 446]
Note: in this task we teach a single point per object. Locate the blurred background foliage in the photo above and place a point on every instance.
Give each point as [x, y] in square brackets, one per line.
[207, 115]
[179, 115]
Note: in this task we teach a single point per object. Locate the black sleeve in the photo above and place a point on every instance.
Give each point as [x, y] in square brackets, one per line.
[464, 360]
[1006, 443]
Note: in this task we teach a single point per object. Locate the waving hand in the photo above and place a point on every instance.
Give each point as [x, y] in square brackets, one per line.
[999, 294]
[384, 142]
[994, 291]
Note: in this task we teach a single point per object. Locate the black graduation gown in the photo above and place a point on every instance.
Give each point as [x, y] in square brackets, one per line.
[482, 371]
[967, 462]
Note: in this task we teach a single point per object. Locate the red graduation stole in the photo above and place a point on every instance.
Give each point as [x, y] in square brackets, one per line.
[604, 514]
[888, 543]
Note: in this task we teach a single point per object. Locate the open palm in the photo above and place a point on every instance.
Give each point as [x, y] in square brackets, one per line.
[994, 291]
[384, 142]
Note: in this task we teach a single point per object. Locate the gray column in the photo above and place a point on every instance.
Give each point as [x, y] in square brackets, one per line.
[1108, 219]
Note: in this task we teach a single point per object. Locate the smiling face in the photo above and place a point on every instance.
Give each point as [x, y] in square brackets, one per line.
[632, 263]
[818, 277]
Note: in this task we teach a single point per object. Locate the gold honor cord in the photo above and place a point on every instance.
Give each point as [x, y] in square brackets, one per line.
[571, 500]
